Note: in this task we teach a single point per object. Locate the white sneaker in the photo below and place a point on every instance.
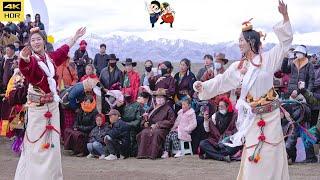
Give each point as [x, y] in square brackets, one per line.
[90, 156]
[111, 157]
[121, 157]
[165, 155]
[178, 154]
[102, 156]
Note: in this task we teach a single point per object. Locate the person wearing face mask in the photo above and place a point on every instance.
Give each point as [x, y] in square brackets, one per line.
[220, 61]
[156, 126]
[111, 77]
[131, 114]
[148, 65]
[222, 124]
[131, 80]
[81, 58]
[300, 70]
[164, 83]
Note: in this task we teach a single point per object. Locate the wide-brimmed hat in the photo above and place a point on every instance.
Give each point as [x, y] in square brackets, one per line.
[221, 56]
[112, 56]
[129, 62]
[113, 112]
[160, 92]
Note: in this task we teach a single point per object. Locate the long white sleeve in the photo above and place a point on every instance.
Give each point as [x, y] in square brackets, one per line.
[275, 56]
[222, 83]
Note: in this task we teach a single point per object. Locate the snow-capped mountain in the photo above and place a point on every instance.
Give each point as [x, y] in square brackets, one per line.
[161, 49]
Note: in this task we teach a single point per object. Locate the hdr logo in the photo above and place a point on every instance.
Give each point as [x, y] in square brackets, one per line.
[12, 10]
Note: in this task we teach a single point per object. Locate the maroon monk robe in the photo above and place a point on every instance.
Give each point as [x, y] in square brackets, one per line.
[150, 141]
[215, 136]
[168, 83]
[35, 75]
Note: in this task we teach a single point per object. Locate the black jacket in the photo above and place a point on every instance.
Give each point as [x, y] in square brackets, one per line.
[108, 78]
[184, 86]
[85, 122]
[303, 72]
[81, 59]
[120, 132]
[100, 61]
[98, 133]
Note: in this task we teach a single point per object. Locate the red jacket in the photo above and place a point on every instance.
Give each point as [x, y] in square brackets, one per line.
[35, 75]
[133, 87]
[93, 76]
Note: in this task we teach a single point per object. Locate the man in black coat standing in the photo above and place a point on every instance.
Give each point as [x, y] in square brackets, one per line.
[101, 59]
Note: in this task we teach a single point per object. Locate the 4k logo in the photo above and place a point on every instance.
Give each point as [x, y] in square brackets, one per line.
[11, 6]
[12, 10]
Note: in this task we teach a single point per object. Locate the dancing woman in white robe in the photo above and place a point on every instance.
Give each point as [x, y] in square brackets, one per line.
[255, 78]
[41, 157]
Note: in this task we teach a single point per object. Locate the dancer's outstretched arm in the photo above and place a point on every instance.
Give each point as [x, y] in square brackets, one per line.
[80, 32]
[283, 31]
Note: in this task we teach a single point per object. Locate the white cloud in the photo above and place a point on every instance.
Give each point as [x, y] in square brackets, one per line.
[208, 21]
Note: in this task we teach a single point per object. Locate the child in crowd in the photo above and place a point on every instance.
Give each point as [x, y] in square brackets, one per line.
[96, 145]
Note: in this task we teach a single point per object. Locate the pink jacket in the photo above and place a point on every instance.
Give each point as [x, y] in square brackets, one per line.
[185, 124]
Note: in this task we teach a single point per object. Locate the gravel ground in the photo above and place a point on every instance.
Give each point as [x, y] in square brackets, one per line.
[187, 168]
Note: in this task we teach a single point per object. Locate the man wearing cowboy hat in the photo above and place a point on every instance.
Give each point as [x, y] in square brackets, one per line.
[111, 77]
[131, 80]
[220, 61]
[81, 59]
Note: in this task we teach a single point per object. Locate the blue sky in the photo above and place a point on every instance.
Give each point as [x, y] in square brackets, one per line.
[209, 21]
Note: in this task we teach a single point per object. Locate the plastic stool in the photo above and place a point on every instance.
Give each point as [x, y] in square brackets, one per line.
[183, 149]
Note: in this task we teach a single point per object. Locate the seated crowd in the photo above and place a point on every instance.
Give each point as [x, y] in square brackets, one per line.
[110, 111]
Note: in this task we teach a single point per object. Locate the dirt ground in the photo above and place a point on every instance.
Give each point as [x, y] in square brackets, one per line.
[187, 168]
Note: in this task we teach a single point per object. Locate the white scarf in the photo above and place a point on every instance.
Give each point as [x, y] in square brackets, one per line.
[245, 115]
[50, 72]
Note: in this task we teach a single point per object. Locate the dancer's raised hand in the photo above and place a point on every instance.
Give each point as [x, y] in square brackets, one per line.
[283, 9]
[80, 32]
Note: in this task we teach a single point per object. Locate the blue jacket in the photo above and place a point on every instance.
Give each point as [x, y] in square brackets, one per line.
[120, 132]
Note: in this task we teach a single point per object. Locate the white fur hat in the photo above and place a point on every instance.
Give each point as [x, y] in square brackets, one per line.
[301, 49]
